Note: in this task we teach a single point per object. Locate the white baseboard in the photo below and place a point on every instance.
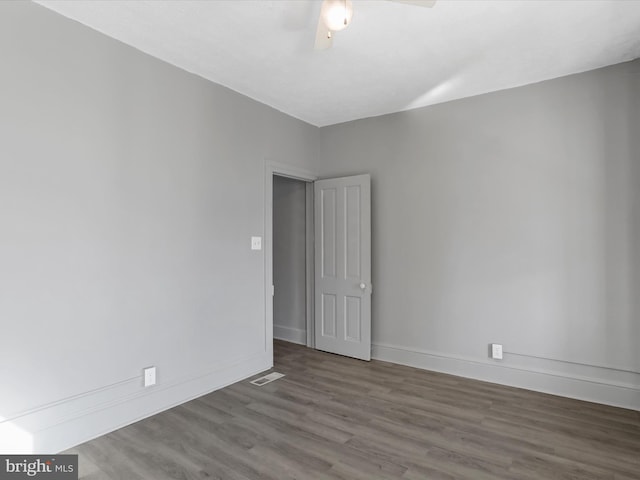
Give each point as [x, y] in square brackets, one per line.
[603, 385]
[288, 334]
[61, 425]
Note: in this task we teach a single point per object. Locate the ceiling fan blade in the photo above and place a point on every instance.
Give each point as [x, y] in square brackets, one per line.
[323, 37]
[417, 3]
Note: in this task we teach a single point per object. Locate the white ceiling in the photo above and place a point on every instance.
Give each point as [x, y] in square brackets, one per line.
[392, 57]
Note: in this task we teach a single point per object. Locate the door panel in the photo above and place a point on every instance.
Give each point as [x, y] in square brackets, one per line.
[353, 225]
[328, 316]
[328, 245]
[352, 317]
[343, 265]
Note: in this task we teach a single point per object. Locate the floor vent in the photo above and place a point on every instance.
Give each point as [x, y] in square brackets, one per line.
[267, 379]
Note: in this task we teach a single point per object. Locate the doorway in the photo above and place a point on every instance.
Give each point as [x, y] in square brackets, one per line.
[287, 172]
[290, 259]
[324, 261]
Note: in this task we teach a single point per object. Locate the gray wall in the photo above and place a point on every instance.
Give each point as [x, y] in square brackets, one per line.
[129, 190]
[514, 218]
[289, 259]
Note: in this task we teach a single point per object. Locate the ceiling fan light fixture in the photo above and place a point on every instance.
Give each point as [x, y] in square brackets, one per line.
[337, 14]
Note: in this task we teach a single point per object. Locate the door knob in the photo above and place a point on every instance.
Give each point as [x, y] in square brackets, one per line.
[363, 286]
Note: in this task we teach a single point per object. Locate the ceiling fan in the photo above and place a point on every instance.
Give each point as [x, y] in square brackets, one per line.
[336, 15]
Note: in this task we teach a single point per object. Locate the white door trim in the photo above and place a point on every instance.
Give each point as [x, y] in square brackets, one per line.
[310, 255]
[272, 168]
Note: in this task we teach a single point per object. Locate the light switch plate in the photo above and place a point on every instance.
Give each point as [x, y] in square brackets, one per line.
[256, 243]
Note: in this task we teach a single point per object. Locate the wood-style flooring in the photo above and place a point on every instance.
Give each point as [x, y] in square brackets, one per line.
[337, 418]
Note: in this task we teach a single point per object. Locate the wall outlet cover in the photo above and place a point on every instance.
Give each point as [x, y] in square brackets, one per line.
[496, 351]
[149, 376]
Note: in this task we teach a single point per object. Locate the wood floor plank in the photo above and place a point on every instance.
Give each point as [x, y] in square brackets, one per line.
[335, 418]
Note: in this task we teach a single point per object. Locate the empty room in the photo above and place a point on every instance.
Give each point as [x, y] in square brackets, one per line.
[320, 239]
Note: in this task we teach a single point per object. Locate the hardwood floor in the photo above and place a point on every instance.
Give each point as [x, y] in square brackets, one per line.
[336, 418]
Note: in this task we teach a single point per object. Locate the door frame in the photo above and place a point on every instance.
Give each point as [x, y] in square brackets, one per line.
[272, 168]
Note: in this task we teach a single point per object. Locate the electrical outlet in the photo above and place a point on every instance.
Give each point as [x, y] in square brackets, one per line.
[496, 351]
[149, 376]
[256, 243]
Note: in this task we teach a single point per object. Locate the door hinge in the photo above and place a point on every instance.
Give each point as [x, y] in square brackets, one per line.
[273, 290]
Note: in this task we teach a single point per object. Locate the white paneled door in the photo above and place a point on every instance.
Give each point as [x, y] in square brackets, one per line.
[343, 266]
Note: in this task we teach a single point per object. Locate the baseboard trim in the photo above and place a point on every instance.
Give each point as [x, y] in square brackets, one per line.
[288, 334]
[62, 425]
[625, 394]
